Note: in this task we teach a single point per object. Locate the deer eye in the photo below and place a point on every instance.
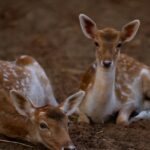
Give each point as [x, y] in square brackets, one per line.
[43, 126]
[119, 45]
[96, 43]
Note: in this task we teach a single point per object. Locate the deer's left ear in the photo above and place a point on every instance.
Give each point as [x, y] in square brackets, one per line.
[88, 26]
[129, 30]
[72, 102]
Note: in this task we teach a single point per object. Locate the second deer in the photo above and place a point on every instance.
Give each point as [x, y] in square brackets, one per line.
[114, 82]
[28, 109]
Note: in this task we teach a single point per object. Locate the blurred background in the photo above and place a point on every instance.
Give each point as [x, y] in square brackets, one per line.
[49, 31]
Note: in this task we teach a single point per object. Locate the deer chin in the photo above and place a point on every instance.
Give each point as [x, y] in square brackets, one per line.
[52, 146]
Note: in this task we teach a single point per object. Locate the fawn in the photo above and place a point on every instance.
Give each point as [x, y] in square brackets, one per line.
[114, 83]
[28, 109]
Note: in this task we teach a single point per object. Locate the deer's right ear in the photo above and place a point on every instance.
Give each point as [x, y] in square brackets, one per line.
[88, 26]
[21, 104]
[72, 102]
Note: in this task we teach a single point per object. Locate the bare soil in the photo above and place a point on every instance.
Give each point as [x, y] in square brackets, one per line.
[49, 31]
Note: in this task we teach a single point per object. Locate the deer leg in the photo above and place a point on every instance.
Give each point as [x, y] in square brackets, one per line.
[82, 117]
[145, 113]
[142, 115]
[124, 113]
[146, 87]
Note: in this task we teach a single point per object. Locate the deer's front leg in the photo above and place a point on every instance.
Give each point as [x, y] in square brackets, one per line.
[83, 117]
[124, 113]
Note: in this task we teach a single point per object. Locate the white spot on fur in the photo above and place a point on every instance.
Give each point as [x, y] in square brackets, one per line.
[94, 66]
[17, 86]
[5, 75]
[17, 82]
[41, 113]
[129, 86]
[23, 56]
[145, 72]
[14, 73]
[5, 79]
[124, 94]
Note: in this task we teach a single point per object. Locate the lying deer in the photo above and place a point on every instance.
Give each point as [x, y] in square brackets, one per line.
[28, 109]
[114, 82]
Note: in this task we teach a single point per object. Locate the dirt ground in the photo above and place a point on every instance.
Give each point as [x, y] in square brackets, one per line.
[49, 31]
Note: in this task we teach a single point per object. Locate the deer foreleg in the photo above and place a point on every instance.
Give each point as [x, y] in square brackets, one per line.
[125, 112]
[82, 117]
[142, 115]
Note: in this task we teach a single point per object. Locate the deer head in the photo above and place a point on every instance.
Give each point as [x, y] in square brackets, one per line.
[48, 124]
[108, 41]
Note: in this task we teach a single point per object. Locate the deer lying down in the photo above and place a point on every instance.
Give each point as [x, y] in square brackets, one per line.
[47, 124]
[114, 82]
[28, 109]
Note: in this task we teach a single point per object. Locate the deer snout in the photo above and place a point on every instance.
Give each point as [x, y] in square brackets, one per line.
[107, 63]
[69, 147]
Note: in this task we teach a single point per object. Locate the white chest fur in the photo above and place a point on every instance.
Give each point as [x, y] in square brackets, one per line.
[101, 100]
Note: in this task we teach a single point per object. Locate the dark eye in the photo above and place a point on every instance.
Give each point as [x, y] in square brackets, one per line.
[119, 45]
[43, 125]
[96, 43]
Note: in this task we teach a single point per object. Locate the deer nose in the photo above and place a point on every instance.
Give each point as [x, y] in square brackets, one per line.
[70, 147]
[107, 63]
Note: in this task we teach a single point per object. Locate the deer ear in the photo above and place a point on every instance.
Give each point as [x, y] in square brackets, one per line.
[129, 30]
[88, 26]
[72, 102]
[21, 104]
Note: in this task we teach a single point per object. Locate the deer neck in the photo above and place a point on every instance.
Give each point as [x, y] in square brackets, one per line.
[23, 128]
[18, 123]
[105, 82]
[103, 94]
[33, 134]
[29, 132]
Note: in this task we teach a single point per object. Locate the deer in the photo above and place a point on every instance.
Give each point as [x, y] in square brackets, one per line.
[115, 83]
[28, 108]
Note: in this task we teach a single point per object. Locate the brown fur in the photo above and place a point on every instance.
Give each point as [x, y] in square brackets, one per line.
[8, 79]
[16, 126]
[25, 60]
[55, 114]
[19, 118]
[119, 87]
[107, 35]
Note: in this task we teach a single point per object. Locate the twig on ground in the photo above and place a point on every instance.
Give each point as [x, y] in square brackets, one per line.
[15, 142]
